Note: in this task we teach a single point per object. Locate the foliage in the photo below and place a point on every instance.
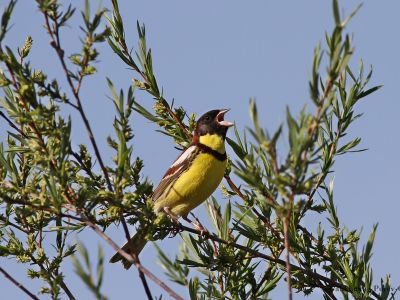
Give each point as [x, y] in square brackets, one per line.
[86, 275]
[47, 185]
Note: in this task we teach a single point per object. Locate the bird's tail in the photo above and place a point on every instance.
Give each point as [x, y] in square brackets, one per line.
[133, 247]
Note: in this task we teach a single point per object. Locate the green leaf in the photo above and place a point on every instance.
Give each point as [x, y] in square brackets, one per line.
[336, 13]
[293, 128]
[145, 113]
[194, 288]
[368, 248]
[239, 151]
[226, 220]
[350, 145]
[5, 18]
[368, 92]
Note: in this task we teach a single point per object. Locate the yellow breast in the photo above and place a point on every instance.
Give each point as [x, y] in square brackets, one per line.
[199, 181]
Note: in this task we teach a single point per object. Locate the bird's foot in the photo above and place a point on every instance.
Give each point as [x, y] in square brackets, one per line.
[176, 225]
[197, 225]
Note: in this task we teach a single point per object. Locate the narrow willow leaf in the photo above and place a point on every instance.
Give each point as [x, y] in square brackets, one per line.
[239, 151]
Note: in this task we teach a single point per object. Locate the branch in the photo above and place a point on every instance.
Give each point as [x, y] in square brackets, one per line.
[254, 253]
[144, 282]
[11, 124]
[31, 124]
[7, 222]
[18, 284]
[322, 176]
[288, 265]
[278, 261]
[133, 260]
[55, 43]
[175, 117]
[83, 166]
[246, 201]
[61, 283]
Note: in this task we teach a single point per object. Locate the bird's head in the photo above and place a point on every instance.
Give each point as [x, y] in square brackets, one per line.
[213, 122]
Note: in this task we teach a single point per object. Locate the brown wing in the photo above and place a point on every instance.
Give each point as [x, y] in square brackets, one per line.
[179, 166]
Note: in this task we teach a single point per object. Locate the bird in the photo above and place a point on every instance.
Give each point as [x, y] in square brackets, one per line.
[191, 179]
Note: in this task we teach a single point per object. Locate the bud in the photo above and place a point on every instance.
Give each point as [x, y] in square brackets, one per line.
[24, 90]
[75, 59]
[139, 84]
[89, 70]
[39, 77]
[26, 48]
[93, 54]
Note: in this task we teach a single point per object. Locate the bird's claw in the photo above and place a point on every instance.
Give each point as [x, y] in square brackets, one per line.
[198, 226]
[203, 231]
[176, 228]
[176, 225]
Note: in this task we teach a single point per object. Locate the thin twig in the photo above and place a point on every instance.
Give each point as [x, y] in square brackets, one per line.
[125, 226]
[328, 291]
[141, 274]
[18, 284]
[75, 91]
[7, 222]
[145, 284]
[133, 260]
[244, 198]
[330, 282]
[313, 130]
[288, 265]
[83, 166]
[43, 208]
[263, 279]
[322, 175]
[278, 261]
[176, 118]
[11, 123]
[55, 43]
[32, 125]
[61, 283]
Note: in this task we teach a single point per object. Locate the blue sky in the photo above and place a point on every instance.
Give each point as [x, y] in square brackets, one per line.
[213, 54]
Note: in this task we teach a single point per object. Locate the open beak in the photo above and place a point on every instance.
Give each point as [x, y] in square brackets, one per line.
[220, 118]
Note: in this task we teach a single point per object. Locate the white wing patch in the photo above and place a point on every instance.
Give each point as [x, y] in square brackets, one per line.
[184, 156]
[173, 173]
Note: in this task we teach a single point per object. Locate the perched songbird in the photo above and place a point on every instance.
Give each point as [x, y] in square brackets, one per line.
[191, 179]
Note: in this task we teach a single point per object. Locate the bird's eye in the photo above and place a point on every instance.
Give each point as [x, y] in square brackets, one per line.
[207, 118]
